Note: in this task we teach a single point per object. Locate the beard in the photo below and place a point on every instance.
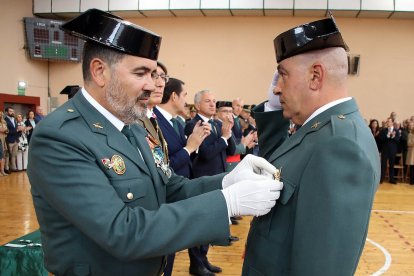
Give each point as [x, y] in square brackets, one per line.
[128, 110]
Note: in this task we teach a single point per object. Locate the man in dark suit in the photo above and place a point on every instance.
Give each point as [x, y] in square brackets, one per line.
[179, 148]
[105, 203]
[330, 167]
[210, 160]
[12, 139]
[390, 138]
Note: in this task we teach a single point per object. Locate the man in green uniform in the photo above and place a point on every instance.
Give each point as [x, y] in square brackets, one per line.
[106, 202]
[329, 167]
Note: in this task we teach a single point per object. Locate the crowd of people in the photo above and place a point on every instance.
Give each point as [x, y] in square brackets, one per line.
[395, 142]
[15, 134]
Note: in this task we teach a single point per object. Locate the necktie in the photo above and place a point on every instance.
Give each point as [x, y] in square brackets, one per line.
[175, 125]
[181, 121]
[213, 128]
[237, 121]
[128, 134]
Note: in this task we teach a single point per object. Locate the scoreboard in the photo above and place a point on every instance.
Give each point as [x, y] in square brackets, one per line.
[46, 41]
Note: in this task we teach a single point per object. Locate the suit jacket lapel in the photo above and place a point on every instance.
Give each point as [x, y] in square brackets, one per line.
[99, 124]
[313, 125]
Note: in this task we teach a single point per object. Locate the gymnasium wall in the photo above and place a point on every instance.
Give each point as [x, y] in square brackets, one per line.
[234, 57]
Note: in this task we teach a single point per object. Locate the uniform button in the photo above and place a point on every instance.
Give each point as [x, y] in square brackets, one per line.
[130, 196]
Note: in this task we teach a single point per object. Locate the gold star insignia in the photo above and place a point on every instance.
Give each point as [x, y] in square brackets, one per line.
[341, 117]
[97, 125]
[315, 125]
[70, 110]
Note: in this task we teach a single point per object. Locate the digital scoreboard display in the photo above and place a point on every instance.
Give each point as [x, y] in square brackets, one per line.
[46, 41]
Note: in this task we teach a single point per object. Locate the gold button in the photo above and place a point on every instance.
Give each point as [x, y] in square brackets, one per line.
[130, 196]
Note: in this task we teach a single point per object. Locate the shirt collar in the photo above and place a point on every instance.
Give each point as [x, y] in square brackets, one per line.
[326, 107]
[205, 119]
[167, 115]
[108, 115]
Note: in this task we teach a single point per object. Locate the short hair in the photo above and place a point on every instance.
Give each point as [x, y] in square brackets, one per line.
[7, 108]
[173, 85]
[163, 67]
[199, 94]
[91, 51]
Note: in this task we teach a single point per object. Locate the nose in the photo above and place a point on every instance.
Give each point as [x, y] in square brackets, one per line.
[149, 85]
[277, 90]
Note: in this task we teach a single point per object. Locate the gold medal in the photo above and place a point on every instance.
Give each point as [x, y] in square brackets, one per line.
[277, 174]
[118, 164]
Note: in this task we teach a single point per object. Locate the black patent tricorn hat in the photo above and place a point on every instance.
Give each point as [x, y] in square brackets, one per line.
[106, 29]
[70, 90]
[315, 35]
[223, 104]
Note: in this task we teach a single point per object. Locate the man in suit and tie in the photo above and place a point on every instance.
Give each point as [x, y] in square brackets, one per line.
[179, 148]
[12, 139]
[330, 167]
[209, 160]
[390, 138]
[105, 201]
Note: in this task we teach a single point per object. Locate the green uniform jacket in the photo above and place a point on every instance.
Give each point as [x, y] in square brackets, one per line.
[330, 170]
[95, 221]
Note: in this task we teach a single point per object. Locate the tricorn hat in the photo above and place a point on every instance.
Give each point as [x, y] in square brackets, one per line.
[70, 90]
[108, 30]
[223, 104]
[315, 35]
[248, 108]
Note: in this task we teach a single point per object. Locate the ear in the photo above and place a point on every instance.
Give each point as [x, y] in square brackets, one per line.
[99, 71]
[173, 96]
[317, 76]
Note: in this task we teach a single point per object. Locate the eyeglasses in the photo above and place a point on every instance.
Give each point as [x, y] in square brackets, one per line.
[155, 76]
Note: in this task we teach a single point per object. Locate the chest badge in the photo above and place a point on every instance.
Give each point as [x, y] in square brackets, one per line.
[315, 125]
[118, 164]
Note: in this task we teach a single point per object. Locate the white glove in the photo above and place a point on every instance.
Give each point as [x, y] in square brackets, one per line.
[250, 168]
[273, 100]
[252, 197]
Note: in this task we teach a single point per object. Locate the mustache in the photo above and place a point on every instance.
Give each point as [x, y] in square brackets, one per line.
[145, 94]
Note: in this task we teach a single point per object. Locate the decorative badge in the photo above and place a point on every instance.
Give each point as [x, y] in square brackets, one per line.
[118, 164]
[107, 163]
[315, 125]
[278, 174]
[158, 155]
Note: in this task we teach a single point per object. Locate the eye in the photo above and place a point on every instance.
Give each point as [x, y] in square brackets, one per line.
[140, 74]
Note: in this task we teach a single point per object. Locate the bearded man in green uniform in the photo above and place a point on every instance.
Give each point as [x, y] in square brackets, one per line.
[329, 167]
[106, 202]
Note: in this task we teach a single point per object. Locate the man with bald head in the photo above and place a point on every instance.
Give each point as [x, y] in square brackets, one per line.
[330, 167]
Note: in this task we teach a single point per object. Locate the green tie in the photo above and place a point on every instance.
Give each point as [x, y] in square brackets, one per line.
[128, 134]
[175, 125]
[237, 121]
[213, 128]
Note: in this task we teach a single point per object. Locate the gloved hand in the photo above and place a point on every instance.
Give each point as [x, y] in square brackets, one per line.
[250, 168]
[273, 100]
[252, 197]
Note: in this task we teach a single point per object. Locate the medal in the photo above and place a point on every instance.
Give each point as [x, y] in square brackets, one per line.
[107, 163]
[277, 174]
[118, 164]
[159, 161]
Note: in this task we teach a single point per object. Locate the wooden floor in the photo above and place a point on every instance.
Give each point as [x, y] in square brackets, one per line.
[389, 249]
